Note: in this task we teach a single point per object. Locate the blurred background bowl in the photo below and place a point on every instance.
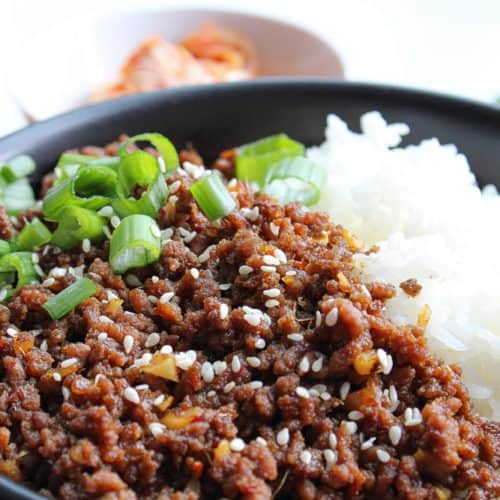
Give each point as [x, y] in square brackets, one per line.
[56, 70]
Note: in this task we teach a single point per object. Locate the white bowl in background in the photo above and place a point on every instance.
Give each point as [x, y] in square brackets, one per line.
[57, 70]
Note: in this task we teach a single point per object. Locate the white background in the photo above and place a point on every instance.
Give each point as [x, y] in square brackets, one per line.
[446, 45]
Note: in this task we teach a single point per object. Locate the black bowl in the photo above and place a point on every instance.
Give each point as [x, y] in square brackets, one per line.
[221, 116]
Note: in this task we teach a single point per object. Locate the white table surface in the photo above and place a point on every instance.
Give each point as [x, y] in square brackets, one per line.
[445, 45]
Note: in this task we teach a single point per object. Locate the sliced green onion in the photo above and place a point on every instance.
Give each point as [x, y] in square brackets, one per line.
[139, 170]
[20, 166]
[254, 160]
[65, 301]
[212, 196]
[4, 248]
[168, 153]
[91, 187]
[69, 163]
[33, 235]
[17, 196]
[295, 179]
[77, 224]
[134, 243]
[20, 266]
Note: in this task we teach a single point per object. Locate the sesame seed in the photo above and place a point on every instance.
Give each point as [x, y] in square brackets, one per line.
[229, 387]
[268, 269]
[252, 319]
[174, 187]
[260, 344]
[195, 273]
[184, 360]
[332, 317]
[133, 281]
[205, 255]
[12, 332]
[190, 237]
[280, 255]
[351, 427]
[235, 364]
[161, 164]
[317, 365]
[325, 396]
[330, 457]
[111, 295]
[130, 394]
[332, 440]
[66, 393]
[305, 457]
[274, 229]
[368, 443]
[291, 273]
[219, 367]
[156, 428]
[412, 417]
[283, 436]
[211, 394]
[271, 303]
[261, 440]
[224, 287]
[383, 359]
[250, 213]
[256, 384]
[166, 349]
[128, 343]
[302, 392]
[102, 337]
[49, 282]
[57, 377]
[355, 415]
[167, 233]
[245, 270]
[106, 211]
[69, 362]
[86, 245]
[152, 340]
[166, 297]
[207, 372]
[395, 434]
[58, 272]
[344, 390]
[253, 361]
[106, 231]
[318, 319]
[44, 345]
[295, 337]
[237, 444]
[142, 387]
[115, 221]
[272, 292]
[270, 260]
[159, 400]
[223, 311]
[304, 365]
[383, 456]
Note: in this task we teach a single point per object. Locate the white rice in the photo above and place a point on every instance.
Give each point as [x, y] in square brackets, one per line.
[422, 206]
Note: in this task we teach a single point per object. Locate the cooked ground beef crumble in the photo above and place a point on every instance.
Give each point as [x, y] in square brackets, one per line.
[249, 362]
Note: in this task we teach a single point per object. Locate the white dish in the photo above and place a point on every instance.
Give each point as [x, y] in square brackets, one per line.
[56, 70]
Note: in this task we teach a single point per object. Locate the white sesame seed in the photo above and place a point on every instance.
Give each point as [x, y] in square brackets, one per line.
[184, 360]
[237, 444]
[304, 364]
[211, 394]
[195, 273]
[295, 337]
[355, 415]
[261, 440]
[205, 255]
[318, 319]
[128, 343]
[102, 337]
[86, 245]
[106, 231]
[130, 394]
[166, 297]
[270, 260]
[219, 367]
[12, 332]
[159, 400]
[395, 434]
[330, 457]
[383, 456]
[251, 319]
[305, 457]
[166, 349]
[58, 272]
[245, 270]
[351, 427]
[235, 364]
[44, 346]
[390, 364]
[393, 397]
[250, 213]
[57, 376]
[66, 393]
[302, 392]
[142, 387]
[35, 258]
[115, 221]
[272, 292]
[152, 340]
[229, 387]
[332, 317]
[283, 436]
[382, 359]
[280, 255]
[224, 287]
[253, 361]
[69, 362]
[317, 365]
[325, 396]
[344, 390]
[49, 282]
[190, 237]
[412, 417]
[174, 187]
[256, 384]
[332, 440]
[291, 273]
[260, 344]
[156, 428]
[368, 443]
[166, 234]
[271, 303]
[268, 269]
[207, 372]
[274, 228]
[106, 211]
[223, 311]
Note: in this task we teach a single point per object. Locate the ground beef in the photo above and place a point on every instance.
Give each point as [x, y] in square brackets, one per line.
[249, 362]
[411, 287]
